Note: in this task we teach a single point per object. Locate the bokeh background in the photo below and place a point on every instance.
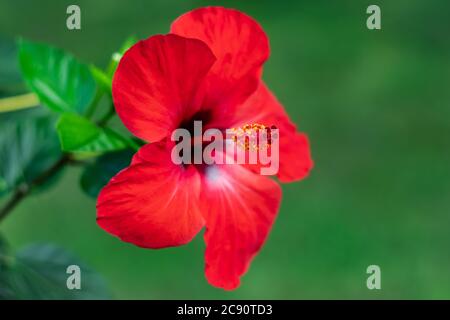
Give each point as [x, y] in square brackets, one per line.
[376, 106]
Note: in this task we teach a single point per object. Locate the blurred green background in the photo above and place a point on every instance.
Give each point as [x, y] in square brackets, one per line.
[376, 106]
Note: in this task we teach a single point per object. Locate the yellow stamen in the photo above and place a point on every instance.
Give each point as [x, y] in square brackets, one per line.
[247, 137]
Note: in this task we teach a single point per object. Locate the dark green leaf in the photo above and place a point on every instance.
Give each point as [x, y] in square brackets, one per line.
[28, 146]
[3, 245]
[5, 260]
[4, 255]
[40, 272]
[61, 82]
[10, 79]
[98, 174]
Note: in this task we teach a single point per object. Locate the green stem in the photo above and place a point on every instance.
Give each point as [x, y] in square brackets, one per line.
[25, 189]
[91, 109]
[23, 101]
[30, 100]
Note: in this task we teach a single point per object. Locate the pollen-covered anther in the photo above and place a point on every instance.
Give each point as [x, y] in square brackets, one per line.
[252, 137]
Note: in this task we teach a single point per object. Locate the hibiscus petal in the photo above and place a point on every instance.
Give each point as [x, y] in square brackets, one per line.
[152, 204]
[158, 83]
[294, 152]
[241, 48]
[240, 208]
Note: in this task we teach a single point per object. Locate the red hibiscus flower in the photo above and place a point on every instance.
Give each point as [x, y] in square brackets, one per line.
[208, 68]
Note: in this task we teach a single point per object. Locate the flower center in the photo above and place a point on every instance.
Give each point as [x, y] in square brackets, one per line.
[202, 147]
[204, 116]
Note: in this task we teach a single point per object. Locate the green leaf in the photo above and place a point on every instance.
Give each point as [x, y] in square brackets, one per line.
[10, 78]
[4, 247]
[5, 262]
[28, 146]
[103, 80]
[39, 271]
[61, 82]
[78, 134]
[4, 255]
[97, 174]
